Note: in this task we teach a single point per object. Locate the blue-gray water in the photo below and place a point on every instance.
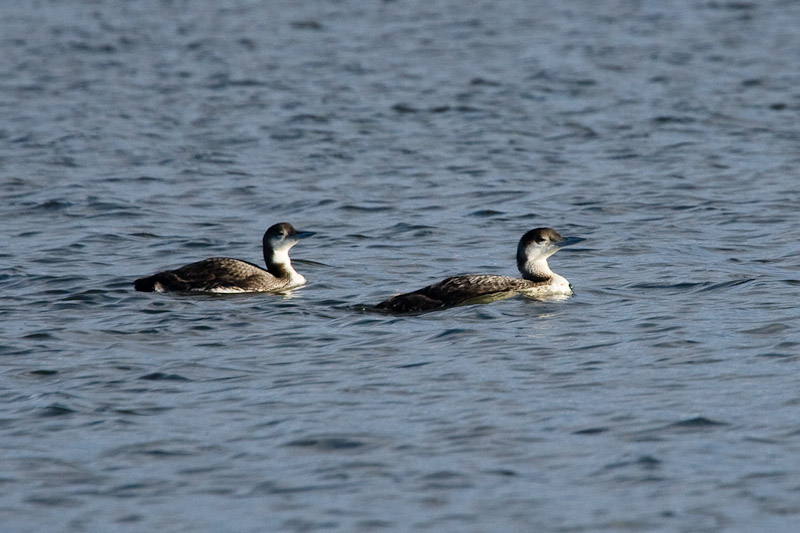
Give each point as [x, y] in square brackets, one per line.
[419, 139]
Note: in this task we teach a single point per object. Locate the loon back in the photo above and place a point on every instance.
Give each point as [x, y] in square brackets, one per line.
[456, 290]
[216, 274]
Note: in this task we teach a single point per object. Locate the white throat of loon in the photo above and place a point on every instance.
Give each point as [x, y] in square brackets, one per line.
[532, 263]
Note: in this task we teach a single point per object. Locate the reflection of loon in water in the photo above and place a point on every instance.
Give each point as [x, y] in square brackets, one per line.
[226, 275]
[537, 281]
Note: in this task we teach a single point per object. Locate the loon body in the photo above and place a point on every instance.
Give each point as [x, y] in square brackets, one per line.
[226, 275]
[537, 280]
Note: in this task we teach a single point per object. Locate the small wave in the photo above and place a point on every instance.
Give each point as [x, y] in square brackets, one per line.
[697, 422]
[161, 376]
[56, 409]
[327, 444]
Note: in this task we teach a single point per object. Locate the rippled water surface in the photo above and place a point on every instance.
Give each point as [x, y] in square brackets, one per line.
[419, 140]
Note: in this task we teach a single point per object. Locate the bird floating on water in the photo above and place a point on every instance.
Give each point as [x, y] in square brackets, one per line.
[226, 275]
[537, 280]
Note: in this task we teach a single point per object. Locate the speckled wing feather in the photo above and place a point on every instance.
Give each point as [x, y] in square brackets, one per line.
[453, 291]
[216, 274]
[459, 288]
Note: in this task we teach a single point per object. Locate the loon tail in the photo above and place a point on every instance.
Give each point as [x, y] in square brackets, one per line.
[410, 303]
[155, 283]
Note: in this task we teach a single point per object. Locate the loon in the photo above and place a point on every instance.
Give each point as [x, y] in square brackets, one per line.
[226, 275]
[537, 281]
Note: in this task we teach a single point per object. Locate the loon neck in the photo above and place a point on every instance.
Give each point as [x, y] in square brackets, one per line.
[279, 264]
[537, 270]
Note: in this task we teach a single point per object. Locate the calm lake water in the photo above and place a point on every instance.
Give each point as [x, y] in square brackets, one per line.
[420, 140]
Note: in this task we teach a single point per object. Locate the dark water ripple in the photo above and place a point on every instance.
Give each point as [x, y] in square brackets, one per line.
[419, 140]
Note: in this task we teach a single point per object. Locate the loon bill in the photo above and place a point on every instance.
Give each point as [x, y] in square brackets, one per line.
[226, 275]
[537, 280]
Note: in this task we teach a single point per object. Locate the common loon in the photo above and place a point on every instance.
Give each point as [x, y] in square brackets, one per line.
[537, 281]
[226, 275]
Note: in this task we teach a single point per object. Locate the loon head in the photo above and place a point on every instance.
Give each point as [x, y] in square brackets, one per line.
[279, 239]
[537, 245]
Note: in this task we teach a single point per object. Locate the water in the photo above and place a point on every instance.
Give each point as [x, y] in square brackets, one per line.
[420, 140]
